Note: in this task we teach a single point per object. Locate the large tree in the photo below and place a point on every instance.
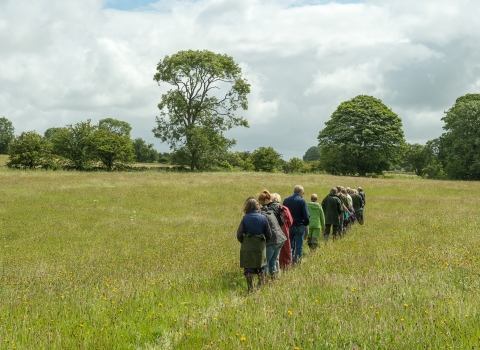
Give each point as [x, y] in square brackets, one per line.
[111, 148]
[207, 89]
[6, 134]
[460, 144]
[365, 135]
[73, 142]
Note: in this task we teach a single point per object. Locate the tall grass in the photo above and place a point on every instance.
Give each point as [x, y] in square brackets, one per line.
[150, 261]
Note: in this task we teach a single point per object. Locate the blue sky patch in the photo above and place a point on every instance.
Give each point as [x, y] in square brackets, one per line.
[127, 5]
[130, 5]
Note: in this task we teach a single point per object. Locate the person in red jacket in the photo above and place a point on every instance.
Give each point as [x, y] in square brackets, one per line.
[285, 257]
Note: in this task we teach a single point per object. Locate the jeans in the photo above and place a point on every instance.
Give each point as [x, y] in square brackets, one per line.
[296, 237]
[272, 255]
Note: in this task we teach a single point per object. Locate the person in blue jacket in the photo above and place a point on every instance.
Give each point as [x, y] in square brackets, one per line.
[253, 233]
[301, 218]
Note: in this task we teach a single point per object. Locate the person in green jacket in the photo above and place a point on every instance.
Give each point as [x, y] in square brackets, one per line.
[317, 222]
[332, 208]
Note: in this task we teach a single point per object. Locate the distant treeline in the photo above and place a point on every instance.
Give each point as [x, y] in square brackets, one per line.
[363, 137]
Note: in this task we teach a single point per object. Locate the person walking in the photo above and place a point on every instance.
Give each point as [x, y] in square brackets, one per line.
[301, 218]
[285, 256]
[253, 233]
[361, 194]
[332, 208]
[273, 213]
[317, 222]
[344, 201]
[357, 206]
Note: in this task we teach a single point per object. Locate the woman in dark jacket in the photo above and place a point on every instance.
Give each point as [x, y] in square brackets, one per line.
[253, 232]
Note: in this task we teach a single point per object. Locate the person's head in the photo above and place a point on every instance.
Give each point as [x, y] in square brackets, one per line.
[349, 190]
[355, 191]
[264, 197]
[298, 190]
[333, 191]
[314, 197]
[344, 191]
[359, 189]
[250, 204]
[339, 189]
[276, 197]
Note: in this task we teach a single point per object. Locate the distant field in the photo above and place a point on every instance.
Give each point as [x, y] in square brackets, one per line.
[150, 261]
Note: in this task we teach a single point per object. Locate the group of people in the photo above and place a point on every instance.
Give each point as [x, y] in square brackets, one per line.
[272, 234]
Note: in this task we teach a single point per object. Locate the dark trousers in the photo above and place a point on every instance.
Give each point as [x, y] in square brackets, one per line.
[327, 231]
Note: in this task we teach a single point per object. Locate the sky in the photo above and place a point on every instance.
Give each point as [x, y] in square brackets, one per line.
[63, 62]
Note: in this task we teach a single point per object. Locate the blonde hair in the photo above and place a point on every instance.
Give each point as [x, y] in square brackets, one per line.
[276, 197]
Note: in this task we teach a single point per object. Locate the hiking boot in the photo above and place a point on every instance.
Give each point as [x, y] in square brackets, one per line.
[262, 279]
[249, 283]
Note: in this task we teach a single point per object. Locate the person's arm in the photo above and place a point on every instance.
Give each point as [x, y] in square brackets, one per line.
[287, 217]
[322, 218]
[240, 232]
[306, 214]
[267, 231]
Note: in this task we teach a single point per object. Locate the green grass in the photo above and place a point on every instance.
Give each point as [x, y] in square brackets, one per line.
[3, 159]
[150, 261]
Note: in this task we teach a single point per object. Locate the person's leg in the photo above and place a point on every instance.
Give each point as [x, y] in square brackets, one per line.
[339, 231]
[273, 261]
[249, 276]
[293, 242]
[327, 233]
[335, 228]
[270, 251]
[314, 234]
[298, 238]
[261, 276]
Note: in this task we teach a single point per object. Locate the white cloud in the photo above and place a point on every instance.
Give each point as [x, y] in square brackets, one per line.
[63, 62]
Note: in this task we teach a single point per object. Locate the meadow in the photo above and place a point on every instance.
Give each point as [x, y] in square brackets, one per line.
[150, 261]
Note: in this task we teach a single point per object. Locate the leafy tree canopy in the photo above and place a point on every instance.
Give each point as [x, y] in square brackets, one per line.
[207, 89]
[294, 165]
[265, 159]
[111, 148]
[29, 150]
[312, 154]
[73, 143]
[366, 135]
[7, 134]
[144, 152]
[115, 126]
[417, 157]
[48, 134]
[460, 144]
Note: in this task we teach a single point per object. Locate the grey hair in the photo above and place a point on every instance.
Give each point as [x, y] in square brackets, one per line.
[333, 190]
[298, 189]
[275, 197]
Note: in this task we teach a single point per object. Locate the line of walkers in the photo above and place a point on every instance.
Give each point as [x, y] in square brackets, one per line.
[272, 234]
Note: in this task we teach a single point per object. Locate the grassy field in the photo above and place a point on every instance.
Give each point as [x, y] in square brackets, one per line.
[150, 261]
[3, 159]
